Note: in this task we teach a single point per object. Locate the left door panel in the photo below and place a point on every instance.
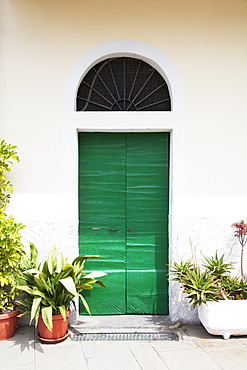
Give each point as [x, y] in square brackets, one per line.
[102, 223]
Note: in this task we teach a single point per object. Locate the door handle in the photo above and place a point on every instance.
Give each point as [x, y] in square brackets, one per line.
[113, 229]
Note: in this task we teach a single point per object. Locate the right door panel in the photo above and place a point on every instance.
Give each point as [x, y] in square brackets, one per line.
[147, 179]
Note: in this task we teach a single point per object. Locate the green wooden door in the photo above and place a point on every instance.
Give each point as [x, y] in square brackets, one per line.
[123, 215]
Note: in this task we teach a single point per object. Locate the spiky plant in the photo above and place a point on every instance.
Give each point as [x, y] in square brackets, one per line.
[217, 266]
[209, 282]
[199, 286]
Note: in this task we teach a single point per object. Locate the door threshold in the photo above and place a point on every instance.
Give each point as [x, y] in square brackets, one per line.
[122, 324]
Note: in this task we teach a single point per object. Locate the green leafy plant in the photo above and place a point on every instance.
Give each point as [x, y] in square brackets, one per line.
[8, 154]
[48, 288]
[12, 256]
[12, 251]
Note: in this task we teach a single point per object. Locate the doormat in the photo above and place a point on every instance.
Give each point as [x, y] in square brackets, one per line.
[103, 337]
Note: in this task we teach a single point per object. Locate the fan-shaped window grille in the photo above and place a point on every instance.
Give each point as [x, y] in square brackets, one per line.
[123, 84]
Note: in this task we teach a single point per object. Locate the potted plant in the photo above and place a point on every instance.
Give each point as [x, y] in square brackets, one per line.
[48, 289]
[12, 252]
[220, 297]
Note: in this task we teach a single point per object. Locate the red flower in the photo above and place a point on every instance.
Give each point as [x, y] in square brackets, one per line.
[241, 231]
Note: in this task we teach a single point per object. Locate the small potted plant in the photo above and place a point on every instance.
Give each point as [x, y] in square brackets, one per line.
[220, 297]
[48, 289]
[12, 251]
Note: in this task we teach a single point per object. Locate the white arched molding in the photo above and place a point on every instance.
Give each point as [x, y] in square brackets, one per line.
[77, 121]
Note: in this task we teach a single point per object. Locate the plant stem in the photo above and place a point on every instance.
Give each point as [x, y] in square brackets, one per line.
[242, 260]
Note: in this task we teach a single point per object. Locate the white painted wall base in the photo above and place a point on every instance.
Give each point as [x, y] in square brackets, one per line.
[44, 235]
[190, 237]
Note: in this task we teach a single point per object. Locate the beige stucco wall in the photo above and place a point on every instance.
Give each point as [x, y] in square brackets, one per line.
[205, 41]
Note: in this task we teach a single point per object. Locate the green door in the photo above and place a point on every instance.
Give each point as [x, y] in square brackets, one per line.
[123, 215]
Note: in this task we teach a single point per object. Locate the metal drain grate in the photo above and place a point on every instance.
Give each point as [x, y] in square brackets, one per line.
[125, 337]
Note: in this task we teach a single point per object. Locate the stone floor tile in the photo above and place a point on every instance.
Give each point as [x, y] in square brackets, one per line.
[191, 359]
[19, 367]
[243, 339]
[197, 350]
[146, 356]
[24, 334]
[233, 359]
[116, 361]
[216, 344]
[91, 349]
[197, 331]
[59, 356]
[173, 345]
[209, 342]
[16, 354]
[109, 356]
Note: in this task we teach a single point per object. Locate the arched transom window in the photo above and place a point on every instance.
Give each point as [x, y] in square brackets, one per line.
[123, 84]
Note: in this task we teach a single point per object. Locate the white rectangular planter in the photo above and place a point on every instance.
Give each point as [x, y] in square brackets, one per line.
[224, 317]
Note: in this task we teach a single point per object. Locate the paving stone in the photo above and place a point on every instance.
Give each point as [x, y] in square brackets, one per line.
[146, 356]
[17, 353]
[192, 359]
[91, 349]
[195, 331]
[243, 339]
[119, 361]
[19, 367]
[211, 342]
[233, 359]
[173, 346]
[209, 345]
[109, 356]
[198, 350]
[59, 356]
[24, 334]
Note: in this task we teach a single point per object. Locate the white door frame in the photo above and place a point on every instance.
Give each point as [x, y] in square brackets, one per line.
[168, 121]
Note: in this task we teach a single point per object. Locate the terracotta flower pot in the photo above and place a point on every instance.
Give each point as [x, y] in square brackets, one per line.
[8, 323]
[59, 329]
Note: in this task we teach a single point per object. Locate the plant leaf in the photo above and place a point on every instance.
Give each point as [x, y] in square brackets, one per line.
[52, 260]
[82, 258]
[94, 274]
[47, 317]
[35, 310]
[69, 284]
[33, 253]
[63, 311]
[102, 285]
[25, 288]
[85, 304]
